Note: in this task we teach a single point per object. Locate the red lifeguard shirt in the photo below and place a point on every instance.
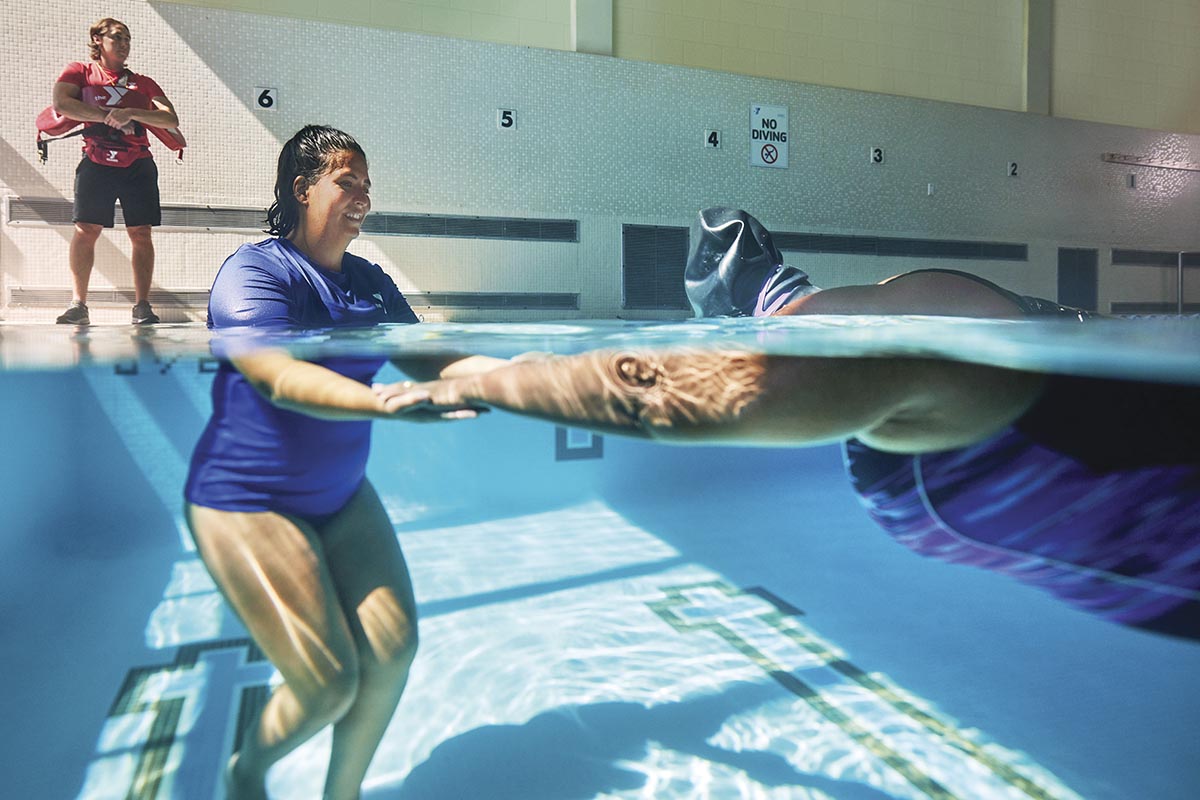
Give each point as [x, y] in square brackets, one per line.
[119, 83]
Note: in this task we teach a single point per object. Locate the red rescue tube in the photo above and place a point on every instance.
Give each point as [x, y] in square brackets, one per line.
[51, 123]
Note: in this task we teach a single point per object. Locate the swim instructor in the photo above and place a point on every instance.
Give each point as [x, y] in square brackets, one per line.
[277, 499]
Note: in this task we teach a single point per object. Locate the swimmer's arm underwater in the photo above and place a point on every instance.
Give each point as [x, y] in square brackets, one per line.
[699, 396]
[455, 365]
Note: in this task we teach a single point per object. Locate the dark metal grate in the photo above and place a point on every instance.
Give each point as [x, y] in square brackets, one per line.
[59, 212]
[51, 212]
[652, 267]
[38, 297]
[507, 228]
[495, 300]
[900, 247]
[211, 218]
[56, 211]
[1154, 258]
[1153, 307]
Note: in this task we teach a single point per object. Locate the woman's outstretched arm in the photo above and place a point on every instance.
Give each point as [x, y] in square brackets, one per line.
[311, 389]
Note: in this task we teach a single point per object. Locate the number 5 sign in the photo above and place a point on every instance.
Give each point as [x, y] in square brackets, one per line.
[266, 99]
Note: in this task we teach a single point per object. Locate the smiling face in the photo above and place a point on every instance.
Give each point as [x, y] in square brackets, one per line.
[333, 208]
[113, 43]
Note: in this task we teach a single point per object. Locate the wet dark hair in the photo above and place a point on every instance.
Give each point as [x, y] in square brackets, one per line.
[308, 155]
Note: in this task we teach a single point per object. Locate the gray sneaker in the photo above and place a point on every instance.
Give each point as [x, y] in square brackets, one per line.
[143, 314]
[77, 314]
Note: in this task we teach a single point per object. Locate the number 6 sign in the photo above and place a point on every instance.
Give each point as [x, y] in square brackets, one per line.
[265, 99]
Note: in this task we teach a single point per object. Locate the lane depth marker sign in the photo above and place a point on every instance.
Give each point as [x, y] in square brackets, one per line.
[266, 98]
[768, 136]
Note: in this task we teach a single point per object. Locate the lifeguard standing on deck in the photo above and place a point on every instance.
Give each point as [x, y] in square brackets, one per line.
[115, 104]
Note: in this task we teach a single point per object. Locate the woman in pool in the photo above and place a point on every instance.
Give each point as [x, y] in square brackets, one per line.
[1088, 488]
[287, 524]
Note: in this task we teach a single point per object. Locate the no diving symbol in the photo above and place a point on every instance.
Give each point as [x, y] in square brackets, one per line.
[769, 154]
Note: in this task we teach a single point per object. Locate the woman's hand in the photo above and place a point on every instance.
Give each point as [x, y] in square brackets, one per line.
[427, 402]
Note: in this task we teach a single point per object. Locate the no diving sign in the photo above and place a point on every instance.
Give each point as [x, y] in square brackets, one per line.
[768, 136]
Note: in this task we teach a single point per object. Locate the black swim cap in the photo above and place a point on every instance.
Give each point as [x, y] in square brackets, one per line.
[734, 268]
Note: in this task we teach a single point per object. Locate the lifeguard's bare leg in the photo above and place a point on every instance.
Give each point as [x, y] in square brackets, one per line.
[142, 259]
[82, 255]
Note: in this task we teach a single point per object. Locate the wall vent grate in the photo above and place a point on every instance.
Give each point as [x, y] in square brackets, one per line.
[1153, 258]
[40, 297]
[901, 247]
[56, 211]
[653, 260]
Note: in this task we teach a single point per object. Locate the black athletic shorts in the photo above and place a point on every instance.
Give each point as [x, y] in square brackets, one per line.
[98, 187]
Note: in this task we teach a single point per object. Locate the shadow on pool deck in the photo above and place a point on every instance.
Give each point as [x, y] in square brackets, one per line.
[576, 752]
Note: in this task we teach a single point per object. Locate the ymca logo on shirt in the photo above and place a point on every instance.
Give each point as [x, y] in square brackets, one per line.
[115, 95]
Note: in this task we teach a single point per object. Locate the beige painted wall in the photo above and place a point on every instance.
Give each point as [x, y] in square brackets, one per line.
[532, 23]
[1117, 61]
[969, 51]
[1129, 63]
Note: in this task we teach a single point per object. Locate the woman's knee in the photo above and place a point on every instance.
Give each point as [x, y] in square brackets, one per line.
[386, 671]
[330, 694]
[389, 629]
[402, 654]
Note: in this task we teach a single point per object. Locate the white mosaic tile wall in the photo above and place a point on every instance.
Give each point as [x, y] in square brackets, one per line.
[602, 140]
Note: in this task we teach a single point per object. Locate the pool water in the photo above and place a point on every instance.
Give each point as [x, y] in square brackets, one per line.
[600, 617]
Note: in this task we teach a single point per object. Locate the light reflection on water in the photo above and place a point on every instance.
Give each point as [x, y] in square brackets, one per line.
[570, 653]
[1161, 348]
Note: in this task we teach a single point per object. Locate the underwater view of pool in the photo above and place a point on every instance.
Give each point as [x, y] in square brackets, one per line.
[600, 617]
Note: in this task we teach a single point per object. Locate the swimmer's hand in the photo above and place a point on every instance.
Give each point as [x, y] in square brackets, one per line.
[416, 403]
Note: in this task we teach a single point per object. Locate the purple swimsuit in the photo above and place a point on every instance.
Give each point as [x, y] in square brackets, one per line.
[252, 455]
[1107, 521]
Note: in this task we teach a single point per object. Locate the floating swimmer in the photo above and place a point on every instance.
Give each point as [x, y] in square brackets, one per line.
[1088, 488]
